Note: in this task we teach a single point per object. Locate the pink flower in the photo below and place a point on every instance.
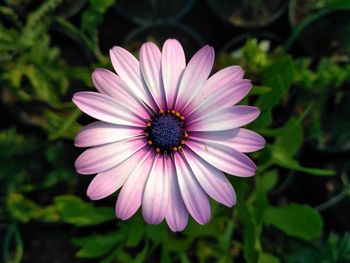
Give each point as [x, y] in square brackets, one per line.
[166, 133]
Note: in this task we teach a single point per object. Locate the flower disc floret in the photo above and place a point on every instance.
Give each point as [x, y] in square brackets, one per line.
[165, 132]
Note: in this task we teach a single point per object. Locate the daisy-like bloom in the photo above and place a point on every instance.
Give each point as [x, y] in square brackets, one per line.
[166, 133]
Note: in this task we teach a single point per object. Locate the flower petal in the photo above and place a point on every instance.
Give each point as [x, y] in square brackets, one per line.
[130, 196]
[246, 141]
[108, 83]
[215, 135]
[105, 108]
[173, 65]
[194, 77]
[224, 119]
[227, 95]
[128, 68]
[177, 214]
[241, 139]
[104, 157]
[220, 79]
[212, 180]
[223, 157]
[156, 194]
[194, 197]
[99, 132]
[106, 183]
[150, 63]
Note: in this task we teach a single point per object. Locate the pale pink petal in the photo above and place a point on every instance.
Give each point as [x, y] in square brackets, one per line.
[224, 119]
[98, 133]
[173, 65]
[241, 139]
[108, 83]
[130, 196]
[106, 183]
[215, 135]
[177, 214]
[194, 77]
[212, 180]
[246, 141]
[128, 68]
[194, 197]
[101, 158]
[105, 108]
[223, 157]
[156, 194]
[227, 95]
[220, 79]
[150, 63]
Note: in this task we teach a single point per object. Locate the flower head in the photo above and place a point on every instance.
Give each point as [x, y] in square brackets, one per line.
[166, 134]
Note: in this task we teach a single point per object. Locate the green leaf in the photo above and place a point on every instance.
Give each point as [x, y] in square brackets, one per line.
[271, 99]
[140, 257]
[268, 180]
[184, 258]
[97, 245]
[11, 15]
[224, 240]
[136, 234]
[282, 158]
[296, 220]
[264, 120]
[157, 233]
[179, 245]
[267, 258]
[93, 16]
[343, 247]
[338, 5]
[76, 212]
[249, 234]
[43, 10]
[67, 124]
[287, 128]
[292, 139]
[23, 209]
[259, 90]
[263, 183]
[279, 77]
[122, 256]
[165, 255]
[54, 177]
[284, 68]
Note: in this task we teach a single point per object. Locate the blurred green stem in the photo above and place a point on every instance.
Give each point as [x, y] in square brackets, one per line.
[11, 15]
[71, 119]
[335, 6]
[341, 196]
[333, 201]
[92, 45]
[12, 234]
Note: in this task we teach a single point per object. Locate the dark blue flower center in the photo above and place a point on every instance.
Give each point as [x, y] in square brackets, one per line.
[166, 131]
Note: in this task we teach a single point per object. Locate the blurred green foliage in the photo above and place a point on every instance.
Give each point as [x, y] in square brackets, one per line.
[38, 182]
[335, 249]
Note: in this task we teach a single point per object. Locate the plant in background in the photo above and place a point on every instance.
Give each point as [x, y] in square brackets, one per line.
[37, 183]
[34, 72]
[326, 88]
[254, 56]
[29, 63]
[335, 249]
[20, 179]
